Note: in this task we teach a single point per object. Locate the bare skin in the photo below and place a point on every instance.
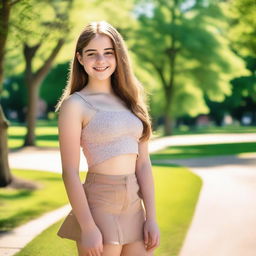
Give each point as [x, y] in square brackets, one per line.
[73, 116]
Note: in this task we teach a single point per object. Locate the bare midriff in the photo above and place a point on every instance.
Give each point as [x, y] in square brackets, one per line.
[117, 165]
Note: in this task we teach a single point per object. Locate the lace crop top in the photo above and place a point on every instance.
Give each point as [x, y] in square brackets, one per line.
[109, 132]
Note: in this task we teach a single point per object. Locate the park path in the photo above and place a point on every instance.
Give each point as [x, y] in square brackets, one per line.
[48, 159]
[224, 222]
[196, 244]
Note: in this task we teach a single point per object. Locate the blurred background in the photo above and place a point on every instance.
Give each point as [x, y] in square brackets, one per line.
[195, 58]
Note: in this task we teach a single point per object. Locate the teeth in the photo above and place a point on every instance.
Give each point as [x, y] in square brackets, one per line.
[100, 68]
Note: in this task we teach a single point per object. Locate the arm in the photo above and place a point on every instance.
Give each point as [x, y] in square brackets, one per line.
[145, 180]
[69, 125]
[146, 183]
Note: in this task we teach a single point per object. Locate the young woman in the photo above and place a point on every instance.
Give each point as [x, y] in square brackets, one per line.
[102, 110]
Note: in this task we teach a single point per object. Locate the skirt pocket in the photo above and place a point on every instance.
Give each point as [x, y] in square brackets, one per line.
[101, 195]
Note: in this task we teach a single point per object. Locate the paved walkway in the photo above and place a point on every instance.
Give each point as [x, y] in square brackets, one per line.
[50, 161]
[224, 223]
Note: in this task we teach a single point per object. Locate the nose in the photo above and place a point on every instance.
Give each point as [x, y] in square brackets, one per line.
[100, 57]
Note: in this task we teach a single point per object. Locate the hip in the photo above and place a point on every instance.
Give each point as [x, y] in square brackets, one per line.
[113, 193]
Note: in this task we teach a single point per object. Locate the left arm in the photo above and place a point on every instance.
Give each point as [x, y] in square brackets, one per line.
[146, 182]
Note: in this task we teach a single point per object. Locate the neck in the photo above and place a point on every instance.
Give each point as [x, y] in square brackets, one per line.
[99, 86]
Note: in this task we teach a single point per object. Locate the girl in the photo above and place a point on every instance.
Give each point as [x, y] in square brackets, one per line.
[102, 109]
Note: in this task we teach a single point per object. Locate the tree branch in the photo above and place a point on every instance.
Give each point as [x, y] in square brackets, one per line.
[47, 64]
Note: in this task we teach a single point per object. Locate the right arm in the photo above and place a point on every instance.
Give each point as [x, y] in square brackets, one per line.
[69, 126]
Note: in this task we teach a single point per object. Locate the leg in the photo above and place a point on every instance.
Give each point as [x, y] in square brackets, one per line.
[108, 250]
[112, 250]
[135, 249]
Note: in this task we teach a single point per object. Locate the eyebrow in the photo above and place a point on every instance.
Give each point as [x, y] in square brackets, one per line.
[94, 50]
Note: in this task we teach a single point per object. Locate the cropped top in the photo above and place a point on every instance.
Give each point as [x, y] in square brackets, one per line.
[109, 132]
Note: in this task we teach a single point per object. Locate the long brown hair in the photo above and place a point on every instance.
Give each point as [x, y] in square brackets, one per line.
[123, 81]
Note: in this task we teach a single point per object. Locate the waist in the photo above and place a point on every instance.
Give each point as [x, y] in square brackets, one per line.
[115, 165]
[92, 177]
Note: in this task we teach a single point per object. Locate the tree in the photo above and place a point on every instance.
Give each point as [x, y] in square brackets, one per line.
[186, 48]
[5, 10]
[242, 31]
[48, 29]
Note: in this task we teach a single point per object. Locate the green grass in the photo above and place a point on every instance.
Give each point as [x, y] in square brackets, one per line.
[177, 191]
[179, 152]
[185, 130]
[47, 133]
[21, 205]
[46, 136]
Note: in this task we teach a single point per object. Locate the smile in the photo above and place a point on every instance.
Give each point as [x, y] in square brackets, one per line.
[101, 69]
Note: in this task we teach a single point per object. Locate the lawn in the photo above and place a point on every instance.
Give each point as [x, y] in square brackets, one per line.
[47, 132]
[46, 136]
[186, 130]
[179, 152]
[177, 191]
[21, 205]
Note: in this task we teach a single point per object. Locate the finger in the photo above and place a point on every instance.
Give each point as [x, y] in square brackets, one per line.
[97, 252]
[93, 252]
[101, 248]
[145, 236]
[154, 240]
[149, 239]
[90, 253]
[152, 243]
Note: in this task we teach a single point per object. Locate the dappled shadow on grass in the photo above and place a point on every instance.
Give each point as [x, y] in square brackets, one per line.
[51, 137]
[165, 164]
[214, 129]
[210, 161]
[191, 151]
[17, 195]
[53, 178]
[19, 218]
[36, 148]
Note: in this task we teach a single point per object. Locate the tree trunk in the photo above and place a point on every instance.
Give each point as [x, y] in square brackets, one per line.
[33, 81]
[167, 118]
[31, 114]
[5, 174]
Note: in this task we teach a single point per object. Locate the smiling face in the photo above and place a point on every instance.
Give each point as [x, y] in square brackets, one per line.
[98, 58]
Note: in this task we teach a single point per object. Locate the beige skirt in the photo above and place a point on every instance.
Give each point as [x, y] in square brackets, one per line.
[116, 206]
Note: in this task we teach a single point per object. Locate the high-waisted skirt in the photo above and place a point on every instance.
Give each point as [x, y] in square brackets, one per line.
[116, 206]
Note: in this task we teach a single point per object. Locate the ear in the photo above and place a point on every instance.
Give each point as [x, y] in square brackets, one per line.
[79, 58]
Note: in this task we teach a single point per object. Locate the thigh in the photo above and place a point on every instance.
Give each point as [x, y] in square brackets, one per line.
[135, 249]
[112, 250]
[108, 250]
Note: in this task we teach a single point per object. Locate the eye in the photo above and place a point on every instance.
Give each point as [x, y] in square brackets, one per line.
[109, 52]
[90, 54]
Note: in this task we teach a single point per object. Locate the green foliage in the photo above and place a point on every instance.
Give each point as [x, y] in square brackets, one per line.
[196, 37]
[53, 85]
[35, 23]
[243, 26]
[243, 97]
[14, 96]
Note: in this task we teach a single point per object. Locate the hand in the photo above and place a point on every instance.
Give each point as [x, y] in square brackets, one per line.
[92, 241]
[151, 235]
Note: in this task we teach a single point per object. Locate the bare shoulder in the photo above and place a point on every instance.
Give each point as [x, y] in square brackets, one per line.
[71, 109]
[72, 102]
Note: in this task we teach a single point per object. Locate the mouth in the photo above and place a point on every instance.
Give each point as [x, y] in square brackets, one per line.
[100, 69]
